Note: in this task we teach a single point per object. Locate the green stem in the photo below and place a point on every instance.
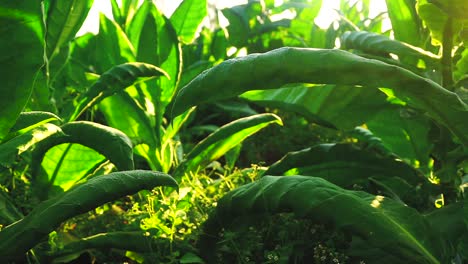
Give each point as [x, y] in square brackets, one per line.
[447, 45]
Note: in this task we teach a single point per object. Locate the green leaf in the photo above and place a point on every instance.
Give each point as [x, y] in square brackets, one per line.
[406, 24]
[335, 106]
[381, 45]
[294, 65]
[404, 133]
[117, 46]
[110, 142]
[383, 224]
[187, 18]
[64, 19]
[448, 222]
[21, 49]
[29, 120]
[158, 45]
[21, 236]
[65, 165]
[224, 139]
[123, 113]
[113, 81]
[436, 14]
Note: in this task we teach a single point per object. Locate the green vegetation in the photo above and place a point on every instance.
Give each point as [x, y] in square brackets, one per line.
[158, 141]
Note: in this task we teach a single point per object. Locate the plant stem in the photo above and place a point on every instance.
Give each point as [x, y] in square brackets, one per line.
[447, 45]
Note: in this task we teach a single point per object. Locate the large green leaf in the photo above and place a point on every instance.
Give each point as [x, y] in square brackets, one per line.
[338, 106]
[113, 81]
[110, 142]
[404, 133]
[21, 236]
[64, 19]
[187, 18]
[224, 139]
[21, 49]
[65, 165]
[294, 65]
[383, 224]
[406, 24]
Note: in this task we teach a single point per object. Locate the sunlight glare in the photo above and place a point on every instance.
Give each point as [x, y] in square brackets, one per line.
[377, 201]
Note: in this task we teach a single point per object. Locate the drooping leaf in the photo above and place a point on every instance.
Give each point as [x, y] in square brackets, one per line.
[21, 236]
[114, 80]
[378, 44]
[187, 18]
[383, 224]
[21, 49]
[9, 150]
[295, 65]
[29, 120]
[64, 19]
[224, 139]
[110, 142]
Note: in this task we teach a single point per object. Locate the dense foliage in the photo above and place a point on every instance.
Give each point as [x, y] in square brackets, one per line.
[270, 140]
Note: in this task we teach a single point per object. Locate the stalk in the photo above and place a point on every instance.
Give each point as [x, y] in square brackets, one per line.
[447, 45]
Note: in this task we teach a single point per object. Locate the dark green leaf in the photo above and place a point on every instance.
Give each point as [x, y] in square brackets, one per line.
[110, 142]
